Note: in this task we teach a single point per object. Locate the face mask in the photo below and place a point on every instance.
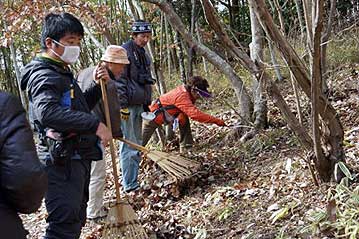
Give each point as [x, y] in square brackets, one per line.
[70, 55]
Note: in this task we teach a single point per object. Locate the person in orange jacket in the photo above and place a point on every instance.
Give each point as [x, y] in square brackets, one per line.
[176, 107]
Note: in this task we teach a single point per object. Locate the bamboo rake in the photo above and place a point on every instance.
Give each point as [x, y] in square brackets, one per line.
[121, 221]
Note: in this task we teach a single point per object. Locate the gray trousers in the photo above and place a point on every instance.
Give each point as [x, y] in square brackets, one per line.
[185, 137]
[96, 188]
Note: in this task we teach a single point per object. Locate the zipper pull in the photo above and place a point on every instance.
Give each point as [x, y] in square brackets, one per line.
[72, 92]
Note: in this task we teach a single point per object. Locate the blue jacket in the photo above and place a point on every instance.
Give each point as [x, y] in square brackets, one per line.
[134, 86]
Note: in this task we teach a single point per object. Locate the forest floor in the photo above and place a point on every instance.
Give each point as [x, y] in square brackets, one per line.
[262, 188]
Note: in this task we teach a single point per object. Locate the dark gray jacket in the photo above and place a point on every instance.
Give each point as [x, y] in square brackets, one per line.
[48, 85]
[134, 87]
[85, 79]
[23, 182]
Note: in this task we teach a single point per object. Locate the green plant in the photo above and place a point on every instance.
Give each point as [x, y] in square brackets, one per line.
[342, 215]
[226, 213]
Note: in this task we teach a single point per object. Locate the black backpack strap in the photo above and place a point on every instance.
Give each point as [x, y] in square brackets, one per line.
[161, 107]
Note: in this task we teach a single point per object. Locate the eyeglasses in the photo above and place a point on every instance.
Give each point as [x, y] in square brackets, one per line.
[203, 93]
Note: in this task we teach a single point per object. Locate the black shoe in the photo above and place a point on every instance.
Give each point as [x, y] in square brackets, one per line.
[132, 189]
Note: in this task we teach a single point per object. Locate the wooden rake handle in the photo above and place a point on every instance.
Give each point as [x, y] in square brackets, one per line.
[112, 147]
[134, 145]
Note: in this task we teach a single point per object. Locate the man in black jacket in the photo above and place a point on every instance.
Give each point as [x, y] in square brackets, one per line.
[135, 91]
[23, 181]
[68, 133]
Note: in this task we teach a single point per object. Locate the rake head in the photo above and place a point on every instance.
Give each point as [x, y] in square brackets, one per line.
[175, 165]
[122, 222]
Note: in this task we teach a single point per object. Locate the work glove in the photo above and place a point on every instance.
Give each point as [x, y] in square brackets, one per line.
[220, 122]
[125, 114]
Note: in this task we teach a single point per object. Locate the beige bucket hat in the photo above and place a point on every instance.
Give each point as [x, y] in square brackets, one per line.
[115, 54]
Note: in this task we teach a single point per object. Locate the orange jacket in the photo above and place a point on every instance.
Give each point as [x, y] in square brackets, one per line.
[184, 103]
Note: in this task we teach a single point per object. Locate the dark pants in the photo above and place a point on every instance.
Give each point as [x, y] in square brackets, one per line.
[66, 199]
[185, 137]
[11, 225]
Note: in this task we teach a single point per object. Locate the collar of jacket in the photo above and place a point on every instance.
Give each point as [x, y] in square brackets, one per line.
[112, 76]
[137, 47]
[188, 90]
[43, 57]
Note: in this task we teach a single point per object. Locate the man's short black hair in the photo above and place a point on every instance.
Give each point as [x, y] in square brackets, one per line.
[57, 26]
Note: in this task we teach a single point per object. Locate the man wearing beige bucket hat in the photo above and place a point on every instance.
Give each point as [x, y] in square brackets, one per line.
[113, 63]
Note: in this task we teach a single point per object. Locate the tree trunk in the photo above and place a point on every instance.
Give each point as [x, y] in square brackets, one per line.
[326, 110]
[297, 98]
[17, 71]
[18, 75]
[236, 15]
[161, 40]
[256, 52]
[280, 16]
[274, 61]
[321, 163]
[300, 19]
[173, 51]
[308, 23]
[190, 54]
[93, 39]
[169, 68]
[132, 8]
[199, 39]
[181, 58]
[325, 39]
[138, 13]
[8, 71]
[288, 116]
[230, 12]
